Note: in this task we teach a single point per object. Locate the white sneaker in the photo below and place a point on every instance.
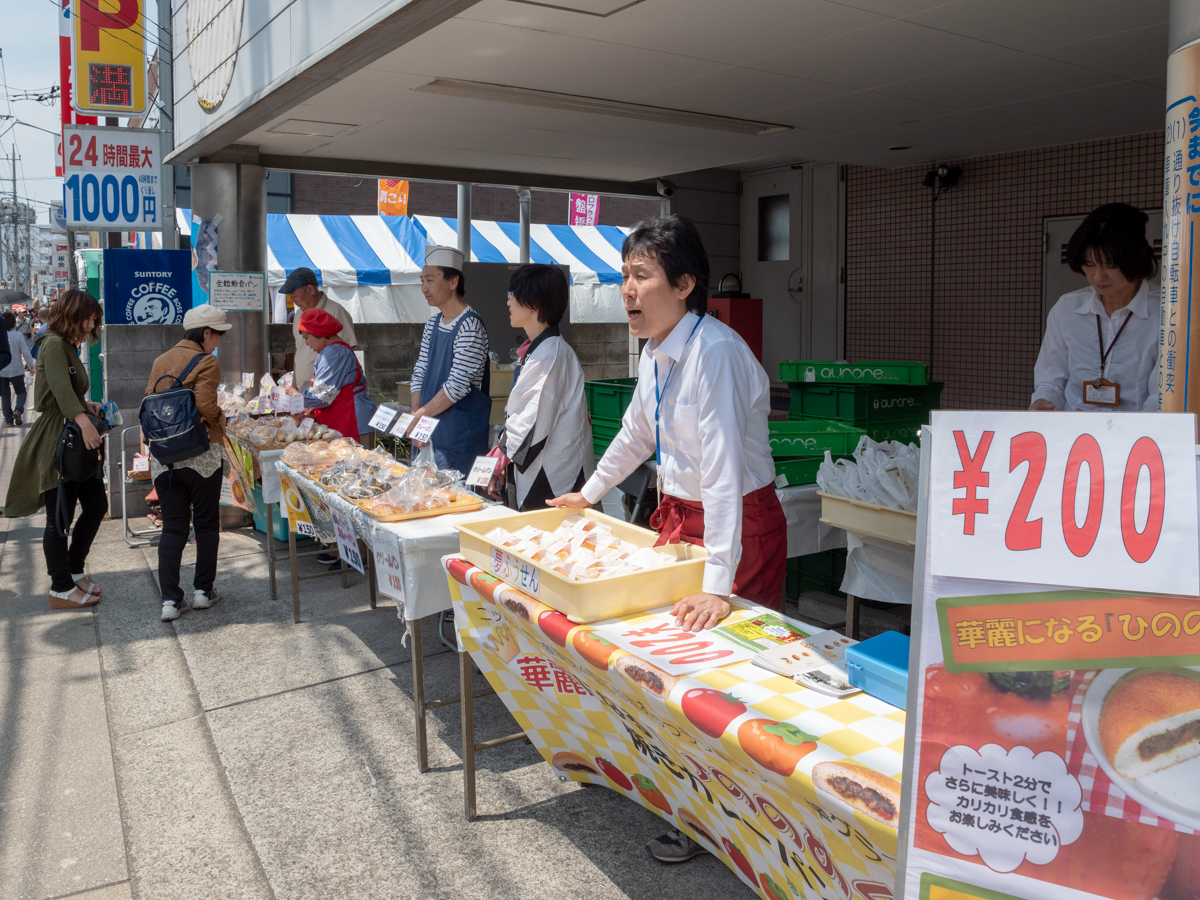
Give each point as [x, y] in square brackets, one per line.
[201, 600]
[172, 610]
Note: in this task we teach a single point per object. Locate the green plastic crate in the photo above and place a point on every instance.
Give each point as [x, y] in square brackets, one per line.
[807, 371]
[862, 404]
[906, 431]
[603, 432]
[609, 398]
[816, 572]
[811, 437]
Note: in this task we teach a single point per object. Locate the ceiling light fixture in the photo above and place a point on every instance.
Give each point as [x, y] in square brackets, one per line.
[503, 93]
[312, 128]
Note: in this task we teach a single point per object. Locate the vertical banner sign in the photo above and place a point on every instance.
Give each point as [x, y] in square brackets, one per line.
[1056, 748]
[109, 50]
[584, 209]
[1178, 388]
[393, 197]
[111, 178]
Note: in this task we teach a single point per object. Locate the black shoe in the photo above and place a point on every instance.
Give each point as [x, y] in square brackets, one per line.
[16, 419]
[328, 559]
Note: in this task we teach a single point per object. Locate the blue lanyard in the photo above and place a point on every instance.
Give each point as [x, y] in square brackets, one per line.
[658, 395]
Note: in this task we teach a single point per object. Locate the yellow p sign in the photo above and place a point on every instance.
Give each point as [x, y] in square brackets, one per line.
[110, 57]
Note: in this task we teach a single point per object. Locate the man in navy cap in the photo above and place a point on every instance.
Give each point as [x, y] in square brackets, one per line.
[306, 294]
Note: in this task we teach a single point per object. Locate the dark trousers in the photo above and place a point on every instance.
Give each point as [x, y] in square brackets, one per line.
[63, 562]
[188, 499]
[17, 384]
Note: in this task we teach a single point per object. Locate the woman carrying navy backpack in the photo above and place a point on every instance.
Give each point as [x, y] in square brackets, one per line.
[190, 491]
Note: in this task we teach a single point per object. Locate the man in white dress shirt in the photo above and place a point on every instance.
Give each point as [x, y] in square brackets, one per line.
[700, 408]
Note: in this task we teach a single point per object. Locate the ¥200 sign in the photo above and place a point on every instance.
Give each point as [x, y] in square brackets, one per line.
[1094, 500]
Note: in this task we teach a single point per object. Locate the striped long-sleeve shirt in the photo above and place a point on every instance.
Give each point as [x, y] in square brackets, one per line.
[470, 356]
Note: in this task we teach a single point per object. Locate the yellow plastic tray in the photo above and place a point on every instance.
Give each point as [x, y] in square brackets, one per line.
[869, 518]
[584, 601]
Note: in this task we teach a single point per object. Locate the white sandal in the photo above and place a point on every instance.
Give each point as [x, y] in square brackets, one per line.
[62, 599]
[87, 587]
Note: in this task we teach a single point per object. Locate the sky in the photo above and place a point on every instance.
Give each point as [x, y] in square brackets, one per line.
[29, 48]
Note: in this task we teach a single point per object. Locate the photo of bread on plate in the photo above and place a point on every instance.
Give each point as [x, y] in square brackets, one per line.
[864, 789]
[647, 676]
[567, 761]
[1151, 721]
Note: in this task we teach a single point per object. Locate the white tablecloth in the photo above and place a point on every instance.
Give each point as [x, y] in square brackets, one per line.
[805, 532]
[423, 543]
[272, 489]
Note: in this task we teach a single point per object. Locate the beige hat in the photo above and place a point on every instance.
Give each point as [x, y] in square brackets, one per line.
[438, 255]
[206, 316]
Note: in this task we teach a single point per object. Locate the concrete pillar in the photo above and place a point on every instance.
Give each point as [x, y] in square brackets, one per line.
[238, 192]
[464, 220]
[166, 95]
[525, 198]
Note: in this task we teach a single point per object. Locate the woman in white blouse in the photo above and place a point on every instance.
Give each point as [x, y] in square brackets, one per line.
[547, 432]
[1100, 351]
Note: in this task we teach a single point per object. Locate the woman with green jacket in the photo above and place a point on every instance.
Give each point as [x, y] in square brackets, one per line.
[60, 392]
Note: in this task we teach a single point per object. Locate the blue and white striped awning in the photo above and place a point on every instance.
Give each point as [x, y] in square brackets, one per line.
[347, 251]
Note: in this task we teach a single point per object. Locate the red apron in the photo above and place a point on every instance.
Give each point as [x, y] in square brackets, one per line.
[340, 413]
[763, 566]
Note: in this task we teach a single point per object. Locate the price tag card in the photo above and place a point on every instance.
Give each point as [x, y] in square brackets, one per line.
[388, 572]
[656, 638]
[481, 473]
[141, 464]
[424, 429]
[401, 425]
[522, 575]
[383, 418]
[1088, 500]
[247, 380]
[347, 544]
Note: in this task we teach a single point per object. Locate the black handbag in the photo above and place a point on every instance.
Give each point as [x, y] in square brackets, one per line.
[74, 461]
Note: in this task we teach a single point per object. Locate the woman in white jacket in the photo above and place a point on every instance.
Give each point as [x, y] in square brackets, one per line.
[547, 438]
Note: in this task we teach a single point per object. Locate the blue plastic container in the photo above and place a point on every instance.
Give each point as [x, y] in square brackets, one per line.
[879, 666]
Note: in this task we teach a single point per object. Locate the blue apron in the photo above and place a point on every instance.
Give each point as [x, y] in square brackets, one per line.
[462, 432]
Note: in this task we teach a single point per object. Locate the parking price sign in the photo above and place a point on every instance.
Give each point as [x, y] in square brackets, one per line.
[111, 178]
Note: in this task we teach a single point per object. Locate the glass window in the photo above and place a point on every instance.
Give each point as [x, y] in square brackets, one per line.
[774, 227]
[279, 192]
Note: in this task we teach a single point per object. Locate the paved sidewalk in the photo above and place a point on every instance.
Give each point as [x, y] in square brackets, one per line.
[234, 754]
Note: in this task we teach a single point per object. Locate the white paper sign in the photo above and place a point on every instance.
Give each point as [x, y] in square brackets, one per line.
[383, 418]
[388, 573]
[111, 178]
[347, 544]
[481, 473]
[141, 464]
[247, 380]
[1094, 500]
[516, 572]
[424, 429]
[656, 638]
[401, 424]
[238, 291]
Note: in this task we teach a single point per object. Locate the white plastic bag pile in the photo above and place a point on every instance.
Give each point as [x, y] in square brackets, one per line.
[886, 474]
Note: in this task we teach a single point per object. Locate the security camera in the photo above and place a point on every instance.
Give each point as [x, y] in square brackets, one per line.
[666, 188]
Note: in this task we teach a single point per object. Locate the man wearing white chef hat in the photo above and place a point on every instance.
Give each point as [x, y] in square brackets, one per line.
[451, 379]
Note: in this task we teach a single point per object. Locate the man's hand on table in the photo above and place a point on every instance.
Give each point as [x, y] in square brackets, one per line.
[697, 612]
[570, 501]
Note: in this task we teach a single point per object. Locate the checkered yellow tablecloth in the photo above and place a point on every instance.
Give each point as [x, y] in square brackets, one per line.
[779, 832]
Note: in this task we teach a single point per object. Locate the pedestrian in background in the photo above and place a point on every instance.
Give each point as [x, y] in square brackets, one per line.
[12, 376]
[60, 394]
[189, 493]
[43, 316]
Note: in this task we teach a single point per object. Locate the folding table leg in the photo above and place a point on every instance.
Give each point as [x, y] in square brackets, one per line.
[467, 698]
[418, 671]
[295, 576]
[369, 558]
[271, 549]
[853, 612]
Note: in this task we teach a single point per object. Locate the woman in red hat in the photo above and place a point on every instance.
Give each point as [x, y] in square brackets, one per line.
[338, 393]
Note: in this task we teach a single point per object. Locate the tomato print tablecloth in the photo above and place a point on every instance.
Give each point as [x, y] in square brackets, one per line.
[725, 753]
